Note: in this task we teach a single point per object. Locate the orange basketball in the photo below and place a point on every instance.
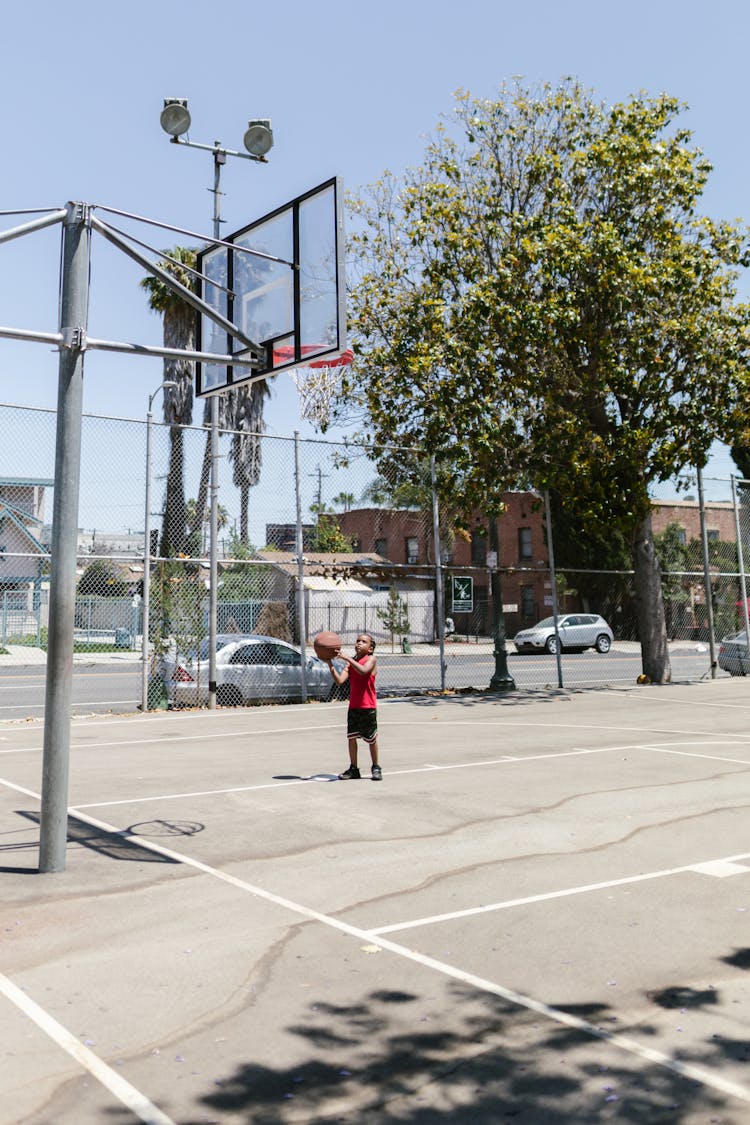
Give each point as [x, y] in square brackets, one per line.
[326, 644]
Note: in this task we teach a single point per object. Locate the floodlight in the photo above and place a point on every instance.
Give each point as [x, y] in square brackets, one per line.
[175, 117]
[259, 137]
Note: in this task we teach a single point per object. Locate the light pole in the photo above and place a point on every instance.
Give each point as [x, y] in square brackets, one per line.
[147, 550]
[258, 140]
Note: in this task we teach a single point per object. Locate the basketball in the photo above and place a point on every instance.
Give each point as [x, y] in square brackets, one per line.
[326, 644]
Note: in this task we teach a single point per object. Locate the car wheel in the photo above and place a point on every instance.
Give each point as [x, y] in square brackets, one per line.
[551, 644]
[603, 643]
[227, 695]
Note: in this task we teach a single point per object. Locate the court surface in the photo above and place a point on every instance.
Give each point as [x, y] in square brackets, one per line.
[540, 915]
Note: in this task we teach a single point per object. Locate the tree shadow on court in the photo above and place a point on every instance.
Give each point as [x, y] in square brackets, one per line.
[462, 1058]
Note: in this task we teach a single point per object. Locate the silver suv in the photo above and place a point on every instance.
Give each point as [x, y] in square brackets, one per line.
[576, 631]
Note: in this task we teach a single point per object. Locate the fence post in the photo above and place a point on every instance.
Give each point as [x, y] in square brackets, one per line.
[741, 562]
[299, 545]
[707, 577]
[553, 579]
[439, 592]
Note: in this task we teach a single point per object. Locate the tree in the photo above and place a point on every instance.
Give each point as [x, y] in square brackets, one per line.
[104, 578]
[327, 537]
[395, 615]
[542, 304]
[246, 449]
[179, 332]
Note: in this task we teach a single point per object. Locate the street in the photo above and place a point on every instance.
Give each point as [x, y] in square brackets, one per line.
[115, 687]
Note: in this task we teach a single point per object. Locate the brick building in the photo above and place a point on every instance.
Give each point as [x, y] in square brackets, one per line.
[406, 538]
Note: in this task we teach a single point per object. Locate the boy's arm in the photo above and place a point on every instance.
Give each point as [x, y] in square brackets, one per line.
[364, 668]
[340, 677]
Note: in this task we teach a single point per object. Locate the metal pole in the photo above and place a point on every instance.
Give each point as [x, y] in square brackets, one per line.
[439, 591]
[741, 563]
[59, 684]
[553, 580]
[501, 678]
[300, 548]
[146, 565]
[213, 526]
[707, 577]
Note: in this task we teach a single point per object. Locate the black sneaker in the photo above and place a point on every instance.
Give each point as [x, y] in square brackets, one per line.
[352, 774]
[377, 773]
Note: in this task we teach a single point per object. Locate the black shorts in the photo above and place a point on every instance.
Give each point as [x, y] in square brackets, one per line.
[362, 722]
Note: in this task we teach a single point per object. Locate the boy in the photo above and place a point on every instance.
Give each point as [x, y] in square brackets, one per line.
[362, 717]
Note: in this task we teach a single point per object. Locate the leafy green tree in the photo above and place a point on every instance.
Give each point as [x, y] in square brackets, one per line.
[103, 578]
[328, 538]
[395, 616]
[541, 303]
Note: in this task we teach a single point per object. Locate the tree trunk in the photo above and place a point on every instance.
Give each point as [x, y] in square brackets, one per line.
[244, 506]
[173, 528]
[650, 606]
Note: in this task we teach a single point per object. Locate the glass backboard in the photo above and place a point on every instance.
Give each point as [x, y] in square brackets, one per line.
[281, 281]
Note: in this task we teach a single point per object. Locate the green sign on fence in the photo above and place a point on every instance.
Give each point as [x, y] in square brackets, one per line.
[462, 590]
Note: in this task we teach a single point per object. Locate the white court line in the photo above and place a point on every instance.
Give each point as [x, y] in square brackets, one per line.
[692, 754]
[426, 768]
[714, 686]
[622, 1042]
[566, 1019]
[586, 888]
[174, 741]
[135, 1101]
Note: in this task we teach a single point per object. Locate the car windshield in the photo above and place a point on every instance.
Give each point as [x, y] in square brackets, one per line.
[547, 623]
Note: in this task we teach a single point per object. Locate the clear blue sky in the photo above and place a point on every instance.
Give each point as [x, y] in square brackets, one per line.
[352, 89]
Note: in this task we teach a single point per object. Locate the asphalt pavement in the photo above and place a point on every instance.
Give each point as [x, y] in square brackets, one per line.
[538, 917]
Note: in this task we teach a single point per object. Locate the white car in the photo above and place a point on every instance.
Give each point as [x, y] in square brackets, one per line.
[249, 669]
[575, 630]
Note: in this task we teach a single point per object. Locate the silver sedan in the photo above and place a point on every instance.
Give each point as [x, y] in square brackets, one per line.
[249, 669]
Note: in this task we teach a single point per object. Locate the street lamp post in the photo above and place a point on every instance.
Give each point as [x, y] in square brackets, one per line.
[147, 551]
[258, 140]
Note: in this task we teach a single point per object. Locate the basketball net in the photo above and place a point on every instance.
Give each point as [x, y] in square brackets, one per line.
[318, 384]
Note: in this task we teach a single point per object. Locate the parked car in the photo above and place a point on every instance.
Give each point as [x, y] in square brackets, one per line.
[249, 669]
[733, 656]
[577, 631]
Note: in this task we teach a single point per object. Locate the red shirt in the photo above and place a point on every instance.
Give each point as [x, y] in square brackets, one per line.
[362, 688]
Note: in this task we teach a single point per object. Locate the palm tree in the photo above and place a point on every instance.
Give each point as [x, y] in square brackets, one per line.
[245, 453]
[179, 332]
[344, 500]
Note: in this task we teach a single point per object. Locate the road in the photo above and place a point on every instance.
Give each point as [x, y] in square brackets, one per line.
[116, 687]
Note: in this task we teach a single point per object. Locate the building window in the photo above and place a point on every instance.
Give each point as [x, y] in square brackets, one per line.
[479, 550]
[528, 603]
[524, 542]
[381, 547]
[681, 535]
[412, 549]
[712, 535]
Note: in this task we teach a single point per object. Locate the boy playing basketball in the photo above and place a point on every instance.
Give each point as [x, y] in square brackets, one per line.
[362, 717]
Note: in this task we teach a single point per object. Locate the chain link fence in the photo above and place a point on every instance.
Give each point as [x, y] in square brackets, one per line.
[366, 525]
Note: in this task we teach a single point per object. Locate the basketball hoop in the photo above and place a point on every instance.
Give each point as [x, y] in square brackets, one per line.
[318, 383]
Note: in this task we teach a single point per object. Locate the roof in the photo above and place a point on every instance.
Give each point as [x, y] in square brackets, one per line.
[28, 482]
[334, 562]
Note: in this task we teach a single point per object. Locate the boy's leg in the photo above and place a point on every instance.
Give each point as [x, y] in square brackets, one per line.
[352, 773]
[374, 751]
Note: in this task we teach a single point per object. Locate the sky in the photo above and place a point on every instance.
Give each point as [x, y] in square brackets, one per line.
[351, 89]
